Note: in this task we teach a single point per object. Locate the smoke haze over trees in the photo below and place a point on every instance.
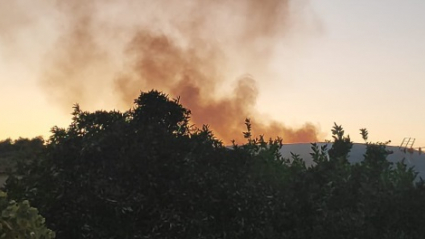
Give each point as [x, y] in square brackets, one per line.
[211, 53]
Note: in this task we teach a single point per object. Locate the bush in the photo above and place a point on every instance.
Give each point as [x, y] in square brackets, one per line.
[19, 220]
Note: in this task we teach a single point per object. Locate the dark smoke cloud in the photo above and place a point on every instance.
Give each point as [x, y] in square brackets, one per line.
[184, 48]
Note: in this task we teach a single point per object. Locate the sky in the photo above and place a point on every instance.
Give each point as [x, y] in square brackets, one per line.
[357, 63]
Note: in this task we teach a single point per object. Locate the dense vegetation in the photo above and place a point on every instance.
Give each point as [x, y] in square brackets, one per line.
[146, 173]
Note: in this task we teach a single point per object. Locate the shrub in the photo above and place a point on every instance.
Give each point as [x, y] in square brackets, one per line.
[20, 220]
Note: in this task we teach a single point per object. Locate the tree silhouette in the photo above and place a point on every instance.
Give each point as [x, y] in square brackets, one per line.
[147, 173]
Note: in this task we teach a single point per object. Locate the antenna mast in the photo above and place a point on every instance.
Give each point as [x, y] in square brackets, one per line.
[407, 144]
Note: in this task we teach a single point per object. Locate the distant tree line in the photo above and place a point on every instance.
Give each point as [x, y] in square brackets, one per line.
[147, 173]
[19, 151]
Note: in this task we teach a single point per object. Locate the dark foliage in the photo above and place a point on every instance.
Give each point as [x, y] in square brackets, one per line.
[146, 173]
[14, 153]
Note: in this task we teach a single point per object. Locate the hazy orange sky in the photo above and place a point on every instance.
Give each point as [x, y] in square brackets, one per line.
[358, 63]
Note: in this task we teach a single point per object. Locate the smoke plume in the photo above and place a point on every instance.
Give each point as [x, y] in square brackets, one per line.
[207, 52]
